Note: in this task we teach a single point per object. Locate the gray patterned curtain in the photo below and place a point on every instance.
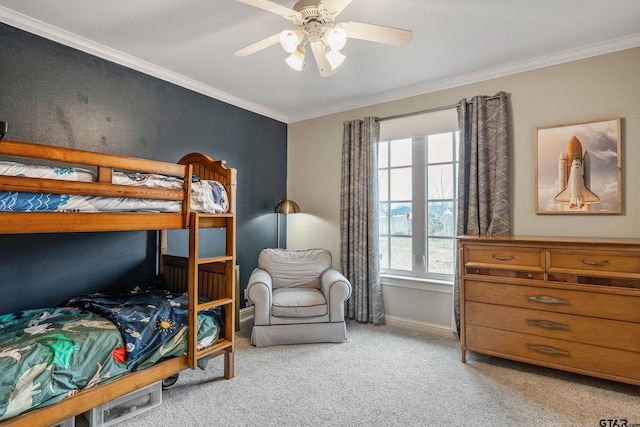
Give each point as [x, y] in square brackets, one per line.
[359, 246]
[483, 176]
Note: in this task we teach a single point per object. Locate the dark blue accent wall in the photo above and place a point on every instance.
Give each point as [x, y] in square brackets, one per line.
[56, 95]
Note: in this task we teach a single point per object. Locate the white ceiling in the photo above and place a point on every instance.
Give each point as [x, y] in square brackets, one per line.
[191, 43]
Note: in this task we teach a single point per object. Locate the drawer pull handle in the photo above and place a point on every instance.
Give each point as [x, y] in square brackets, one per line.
[547, 350]
[504, 258]
[547, 325]
[547, 300]
[594, 263]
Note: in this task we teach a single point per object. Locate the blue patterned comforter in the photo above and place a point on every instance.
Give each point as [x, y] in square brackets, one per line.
[146, 318]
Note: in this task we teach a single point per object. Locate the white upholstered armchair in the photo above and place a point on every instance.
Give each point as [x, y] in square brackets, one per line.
[298, 298]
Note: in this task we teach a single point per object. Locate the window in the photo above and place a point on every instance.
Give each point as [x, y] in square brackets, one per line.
[417, 190]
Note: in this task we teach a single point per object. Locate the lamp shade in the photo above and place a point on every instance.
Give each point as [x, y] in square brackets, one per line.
[296, 59]
[286, 207]
[335, 58]
[289, 40]
[337, 38]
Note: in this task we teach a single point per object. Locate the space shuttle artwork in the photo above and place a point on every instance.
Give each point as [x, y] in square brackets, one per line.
[574, 179]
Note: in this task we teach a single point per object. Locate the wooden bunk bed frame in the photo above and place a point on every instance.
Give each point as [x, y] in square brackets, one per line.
[211, 277]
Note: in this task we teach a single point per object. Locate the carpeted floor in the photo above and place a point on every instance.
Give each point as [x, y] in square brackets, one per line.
[385, 376]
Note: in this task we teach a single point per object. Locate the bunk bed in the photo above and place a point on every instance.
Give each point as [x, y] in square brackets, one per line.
[208, 283]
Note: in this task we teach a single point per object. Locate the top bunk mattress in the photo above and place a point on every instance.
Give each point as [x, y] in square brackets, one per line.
[207, 196]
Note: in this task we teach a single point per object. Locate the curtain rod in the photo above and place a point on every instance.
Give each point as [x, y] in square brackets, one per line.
[430, 110]
[415, 113]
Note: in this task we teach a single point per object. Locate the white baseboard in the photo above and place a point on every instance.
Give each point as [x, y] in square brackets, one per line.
[429, 328]
[398, 322]
[246, 313]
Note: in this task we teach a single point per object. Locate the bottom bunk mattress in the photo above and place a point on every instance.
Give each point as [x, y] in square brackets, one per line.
[51, 353]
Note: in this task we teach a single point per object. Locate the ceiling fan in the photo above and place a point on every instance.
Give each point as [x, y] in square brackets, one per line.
[315, 25]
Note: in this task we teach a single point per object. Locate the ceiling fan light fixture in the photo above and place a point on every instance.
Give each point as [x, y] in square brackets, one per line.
[315, 24]
[296, 59]
[336, 38]
[290, 39]
[335, 58]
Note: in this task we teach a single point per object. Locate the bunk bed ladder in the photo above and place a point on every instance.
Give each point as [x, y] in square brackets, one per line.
[196, 286]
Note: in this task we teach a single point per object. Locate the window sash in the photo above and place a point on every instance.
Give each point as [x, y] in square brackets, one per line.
[429, 249]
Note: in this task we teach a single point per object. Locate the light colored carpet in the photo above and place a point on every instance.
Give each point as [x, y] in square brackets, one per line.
[385, 376]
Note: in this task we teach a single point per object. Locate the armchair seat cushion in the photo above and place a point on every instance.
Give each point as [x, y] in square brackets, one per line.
[298, 302]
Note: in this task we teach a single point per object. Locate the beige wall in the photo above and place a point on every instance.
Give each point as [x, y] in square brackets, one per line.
[595, 88]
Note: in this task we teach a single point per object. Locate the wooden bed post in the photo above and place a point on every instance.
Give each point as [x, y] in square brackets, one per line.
[195, 282]
[162, 250]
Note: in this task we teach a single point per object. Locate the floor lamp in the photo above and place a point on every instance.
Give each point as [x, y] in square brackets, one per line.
[285, 207]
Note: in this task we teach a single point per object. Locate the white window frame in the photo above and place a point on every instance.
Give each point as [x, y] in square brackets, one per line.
[418, 128]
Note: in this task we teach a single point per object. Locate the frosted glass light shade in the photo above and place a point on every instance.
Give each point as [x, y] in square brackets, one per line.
[336, 38]
[335, 58]
[289, 40]
[296, 59]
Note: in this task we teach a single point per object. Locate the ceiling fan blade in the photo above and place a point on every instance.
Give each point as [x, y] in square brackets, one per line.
[272, 7]
[334, 7]
[259, 45]
[377, 33]
[321, 60]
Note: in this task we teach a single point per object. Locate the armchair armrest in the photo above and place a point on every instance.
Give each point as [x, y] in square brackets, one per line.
[259, 292]
[336, 289]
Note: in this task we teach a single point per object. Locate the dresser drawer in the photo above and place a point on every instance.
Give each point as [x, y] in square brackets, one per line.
[595, 304]
[587, 330]
[585, 278]
[554, 352]
[528, 259]
[606, 263]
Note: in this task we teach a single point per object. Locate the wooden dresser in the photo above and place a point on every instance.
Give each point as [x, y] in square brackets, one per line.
[565, 303]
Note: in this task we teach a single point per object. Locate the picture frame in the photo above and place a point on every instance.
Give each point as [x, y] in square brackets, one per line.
[578, 168]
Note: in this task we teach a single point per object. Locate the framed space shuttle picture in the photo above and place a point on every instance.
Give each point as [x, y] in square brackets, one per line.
[578, 168]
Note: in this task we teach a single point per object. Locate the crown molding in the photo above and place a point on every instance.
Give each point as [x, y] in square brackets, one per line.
[584, 52]
[66, 38]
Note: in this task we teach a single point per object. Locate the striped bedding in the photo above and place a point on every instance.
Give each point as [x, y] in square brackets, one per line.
[206, 196]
